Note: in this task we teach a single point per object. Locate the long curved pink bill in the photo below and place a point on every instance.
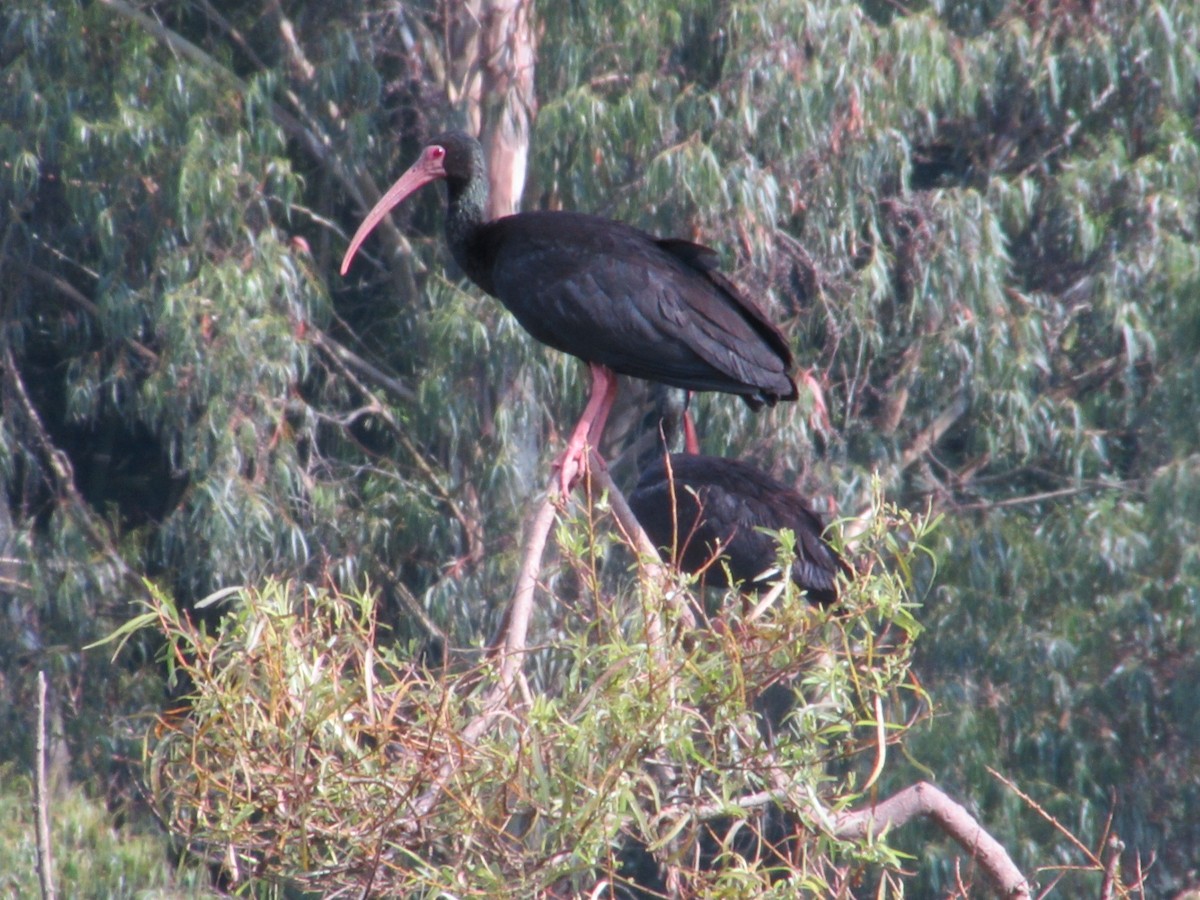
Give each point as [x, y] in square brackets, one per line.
[416, 177]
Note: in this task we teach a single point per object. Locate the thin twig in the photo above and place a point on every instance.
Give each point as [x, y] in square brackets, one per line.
[41, 798]
[1058, 826]
[1031, 498]
[881, 741]
[1111, 867]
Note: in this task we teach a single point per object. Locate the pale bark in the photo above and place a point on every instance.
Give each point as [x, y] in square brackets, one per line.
[41, 791]
[501, 104]
[923, 800]
[507, 53]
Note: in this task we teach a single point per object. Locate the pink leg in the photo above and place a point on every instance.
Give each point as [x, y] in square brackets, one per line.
[691, 441]
[589, 428]
[609, 377]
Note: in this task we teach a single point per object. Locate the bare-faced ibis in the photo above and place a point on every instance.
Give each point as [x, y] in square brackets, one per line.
[708, 512]
[616, 297]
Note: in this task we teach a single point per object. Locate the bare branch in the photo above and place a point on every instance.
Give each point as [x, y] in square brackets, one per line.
[300, 64]
[41, 798]
[316, 145]
[343, 359]
[921, 800]
[635, 535]
[1041, 497]
[509, 643]
[63, 475]
[234, 34]
[1036, 807]
[933, 432]
[363, 367]
[520, 609]
[1111, 867]
[68, 291]
[926, 801]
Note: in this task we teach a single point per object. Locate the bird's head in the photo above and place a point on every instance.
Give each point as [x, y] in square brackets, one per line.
[454, 156]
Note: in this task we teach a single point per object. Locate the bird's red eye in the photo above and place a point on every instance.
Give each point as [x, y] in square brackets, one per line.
[436, 152]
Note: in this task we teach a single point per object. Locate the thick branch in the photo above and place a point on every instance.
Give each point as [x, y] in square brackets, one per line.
[507, 46]
[17, 403]
[1112, 866]
[509, 644]
[925, 800]
[630, 527]
[921, 800]
[69, 292]
[933, 432]
[520, 609]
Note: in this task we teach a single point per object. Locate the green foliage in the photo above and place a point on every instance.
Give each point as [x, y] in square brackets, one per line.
[93, 858]
[316, 751]
[1082, 668]
[976, 223]
[998, 209]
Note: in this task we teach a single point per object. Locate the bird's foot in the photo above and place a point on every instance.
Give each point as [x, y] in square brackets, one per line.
[570, 468]
[574, 463]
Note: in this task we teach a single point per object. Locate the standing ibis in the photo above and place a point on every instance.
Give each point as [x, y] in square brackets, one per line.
[616, 297]
[708, 513]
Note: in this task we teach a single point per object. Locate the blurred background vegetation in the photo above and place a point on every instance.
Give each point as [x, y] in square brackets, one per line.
[976, 222]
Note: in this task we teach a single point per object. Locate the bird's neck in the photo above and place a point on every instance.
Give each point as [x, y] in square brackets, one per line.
[464, 217]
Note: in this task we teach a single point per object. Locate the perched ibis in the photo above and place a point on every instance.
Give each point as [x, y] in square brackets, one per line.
[616, 297]
[708, 512]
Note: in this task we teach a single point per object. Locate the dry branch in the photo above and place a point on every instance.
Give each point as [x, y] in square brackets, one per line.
[344, 356]
[61, 475]
[521, 608]
[1112, 865]
[921, 800]
[41, 798]
[68, 291]
[926, 801]
[509, 646]
[932, 433]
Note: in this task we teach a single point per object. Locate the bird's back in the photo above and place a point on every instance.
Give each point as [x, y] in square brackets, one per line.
[609, 293]
[709, 502]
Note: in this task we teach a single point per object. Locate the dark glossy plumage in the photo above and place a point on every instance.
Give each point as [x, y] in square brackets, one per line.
[611, 294]
[601, 290]
[723, 503]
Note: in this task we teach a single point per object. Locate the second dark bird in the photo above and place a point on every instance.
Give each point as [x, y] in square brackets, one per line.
[619, 299]
[709, 513]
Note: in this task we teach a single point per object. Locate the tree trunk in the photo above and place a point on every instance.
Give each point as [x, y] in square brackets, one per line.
[504, 104]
